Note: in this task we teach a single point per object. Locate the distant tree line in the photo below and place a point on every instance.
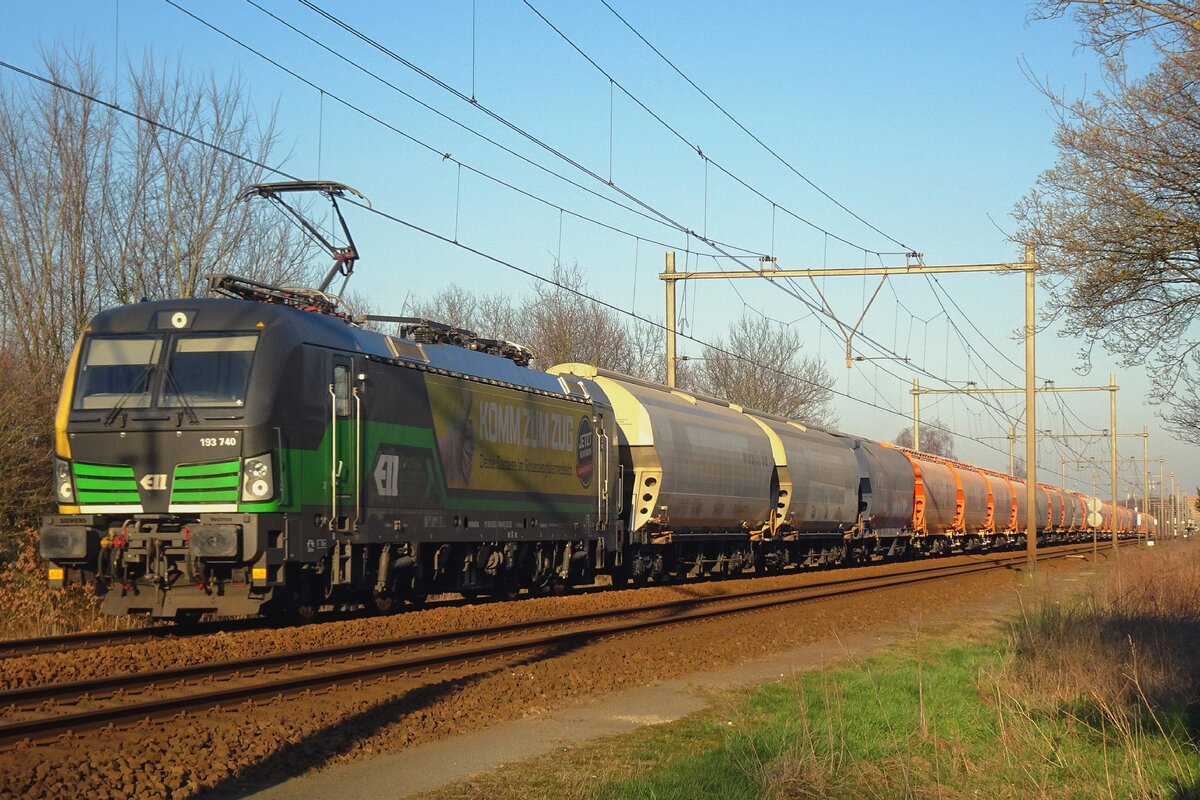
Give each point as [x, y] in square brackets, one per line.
[760, 364]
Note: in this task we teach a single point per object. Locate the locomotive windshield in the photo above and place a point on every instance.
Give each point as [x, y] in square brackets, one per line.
[209, 371]
[201, 370]
[117, 368]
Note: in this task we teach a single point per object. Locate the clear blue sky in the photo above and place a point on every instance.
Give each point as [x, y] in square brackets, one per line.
[917, 116]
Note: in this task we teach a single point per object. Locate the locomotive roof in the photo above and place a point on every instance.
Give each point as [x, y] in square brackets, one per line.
[206, 314]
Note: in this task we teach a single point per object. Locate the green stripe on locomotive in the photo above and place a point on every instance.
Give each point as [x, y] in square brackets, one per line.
[103, 484]
[214, 482]
[402, 465]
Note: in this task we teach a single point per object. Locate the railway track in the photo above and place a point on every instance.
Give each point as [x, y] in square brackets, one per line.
[15, 648]
[44, 712]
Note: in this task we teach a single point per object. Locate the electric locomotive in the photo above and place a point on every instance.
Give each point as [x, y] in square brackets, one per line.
[257, 451]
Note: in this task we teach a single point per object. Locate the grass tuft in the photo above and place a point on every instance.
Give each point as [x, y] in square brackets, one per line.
[1097, 696]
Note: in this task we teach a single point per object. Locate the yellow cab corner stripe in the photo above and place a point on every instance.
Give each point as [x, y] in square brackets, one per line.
[62, 445]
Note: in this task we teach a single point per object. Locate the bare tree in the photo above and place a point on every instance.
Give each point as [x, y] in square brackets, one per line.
[561, 324]
[647, 349]
[179, 200]
[98, 209]
[1107, 26]
[1117, 219]
[935, 439]
[763, 367]
[25, 484]
[490, 315]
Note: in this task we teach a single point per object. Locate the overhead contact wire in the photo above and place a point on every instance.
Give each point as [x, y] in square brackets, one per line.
[695, 147]
[715, 244]
[749, 133]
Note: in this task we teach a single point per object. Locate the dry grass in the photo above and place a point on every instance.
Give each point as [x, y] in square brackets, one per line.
[32, 608]
[1120, 667]
[1135, 639]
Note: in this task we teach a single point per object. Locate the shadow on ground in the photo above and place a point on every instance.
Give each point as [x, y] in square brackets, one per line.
[320, 747]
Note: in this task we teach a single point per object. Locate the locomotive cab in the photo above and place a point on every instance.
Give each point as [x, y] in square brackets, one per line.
[165, 459]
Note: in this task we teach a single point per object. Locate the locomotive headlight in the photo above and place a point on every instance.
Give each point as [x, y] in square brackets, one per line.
[258, 479]
[64, 485]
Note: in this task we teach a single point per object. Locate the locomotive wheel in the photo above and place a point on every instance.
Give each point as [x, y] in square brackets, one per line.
[188, 619]
[384, 602]
[508, 588]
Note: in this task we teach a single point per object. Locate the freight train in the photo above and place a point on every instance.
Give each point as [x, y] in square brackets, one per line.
[258, 451]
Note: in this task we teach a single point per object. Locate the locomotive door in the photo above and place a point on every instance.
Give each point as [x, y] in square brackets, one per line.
[604, 494]
[345, 417]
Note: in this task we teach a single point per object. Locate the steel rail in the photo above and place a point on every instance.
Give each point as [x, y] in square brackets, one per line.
[12, 648]
[88, 640]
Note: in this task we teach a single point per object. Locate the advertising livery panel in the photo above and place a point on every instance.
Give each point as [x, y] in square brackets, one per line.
[496, 439]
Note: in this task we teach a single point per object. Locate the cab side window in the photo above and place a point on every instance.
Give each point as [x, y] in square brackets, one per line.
[341, 390]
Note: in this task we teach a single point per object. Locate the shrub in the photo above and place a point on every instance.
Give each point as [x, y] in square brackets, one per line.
[32, 607]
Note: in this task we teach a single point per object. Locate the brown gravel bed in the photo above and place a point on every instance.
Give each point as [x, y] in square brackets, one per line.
[225, 752]
[156, 654]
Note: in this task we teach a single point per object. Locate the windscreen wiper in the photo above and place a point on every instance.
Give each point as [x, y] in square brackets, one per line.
[111, 416]
[183, 403]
